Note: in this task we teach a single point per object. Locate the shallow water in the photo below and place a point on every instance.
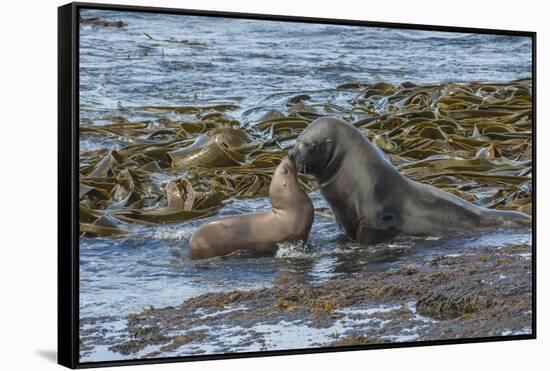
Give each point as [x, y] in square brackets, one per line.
[257, 65]
[119, 276]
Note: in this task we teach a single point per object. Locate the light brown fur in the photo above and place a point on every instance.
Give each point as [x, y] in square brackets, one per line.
[289, 220]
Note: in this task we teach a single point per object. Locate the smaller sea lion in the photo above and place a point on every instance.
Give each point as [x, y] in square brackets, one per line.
[289, 220]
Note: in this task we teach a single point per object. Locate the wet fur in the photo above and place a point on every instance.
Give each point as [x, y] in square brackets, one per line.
[289, 220]
[372, 201]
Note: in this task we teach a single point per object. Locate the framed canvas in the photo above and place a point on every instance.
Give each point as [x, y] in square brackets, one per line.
[237, 185]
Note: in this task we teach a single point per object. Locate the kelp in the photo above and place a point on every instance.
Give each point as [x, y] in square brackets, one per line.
[217, 148]
[473, 140]
[480, 135]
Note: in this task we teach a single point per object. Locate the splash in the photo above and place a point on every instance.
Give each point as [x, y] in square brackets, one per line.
[293, 250]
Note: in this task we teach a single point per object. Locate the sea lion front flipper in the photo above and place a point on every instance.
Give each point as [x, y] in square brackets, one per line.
[367, 235]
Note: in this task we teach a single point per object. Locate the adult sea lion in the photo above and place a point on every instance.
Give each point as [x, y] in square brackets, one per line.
[289, 219]
[371, 200]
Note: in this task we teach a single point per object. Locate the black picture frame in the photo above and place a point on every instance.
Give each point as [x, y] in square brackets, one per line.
[68, 157]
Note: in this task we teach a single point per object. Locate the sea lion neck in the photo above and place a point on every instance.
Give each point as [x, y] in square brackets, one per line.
[285, 198]
[328, 171]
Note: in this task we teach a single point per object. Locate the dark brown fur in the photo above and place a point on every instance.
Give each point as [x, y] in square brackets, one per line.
[371, 200]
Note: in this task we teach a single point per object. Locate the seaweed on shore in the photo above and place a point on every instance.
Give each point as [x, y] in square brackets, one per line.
[473, 140]
[441, 297]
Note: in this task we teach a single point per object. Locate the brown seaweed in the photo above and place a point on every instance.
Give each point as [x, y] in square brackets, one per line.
[473, 140]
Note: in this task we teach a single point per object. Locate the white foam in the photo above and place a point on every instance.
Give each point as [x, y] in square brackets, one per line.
[173, 233]
[293, 250]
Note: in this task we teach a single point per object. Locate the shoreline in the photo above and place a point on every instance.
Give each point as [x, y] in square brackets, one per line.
[480, 293]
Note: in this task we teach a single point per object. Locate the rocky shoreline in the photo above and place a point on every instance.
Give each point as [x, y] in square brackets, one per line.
[480, 293]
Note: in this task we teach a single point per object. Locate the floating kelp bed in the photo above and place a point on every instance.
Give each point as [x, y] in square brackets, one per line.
[473, 140]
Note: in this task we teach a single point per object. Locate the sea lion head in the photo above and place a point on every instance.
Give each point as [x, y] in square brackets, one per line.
[284, 186]
[315, 147]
